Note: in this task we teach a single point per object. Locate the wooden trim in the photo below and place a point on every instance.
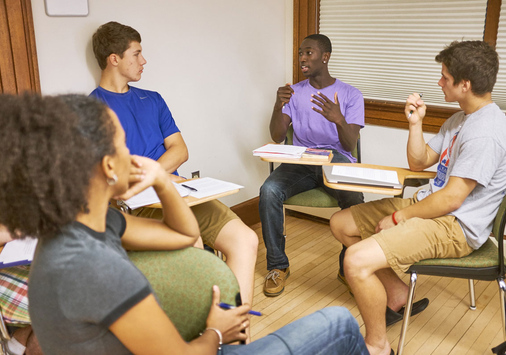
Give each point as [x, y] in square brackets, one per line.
[492, 22]
[391, 114]
[306, 18]
[248, 211]
[18, 59]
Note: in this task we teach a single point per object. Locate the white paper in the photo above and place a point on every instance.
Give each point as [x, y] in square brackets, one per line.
[18, 250]
[208, 186]
[366, 174]
[279, 151]
[149, 196]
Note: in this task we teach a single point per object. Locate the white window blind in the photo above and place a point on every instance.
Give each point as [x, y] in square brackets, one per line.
[499, 93]
[386, 48]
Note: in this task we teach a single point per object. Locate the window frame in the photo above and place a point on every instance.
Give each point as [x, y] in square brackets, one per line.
[306, 19]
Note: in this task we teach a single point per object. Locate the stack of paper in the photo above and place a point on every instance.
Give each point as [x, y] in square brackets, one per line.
[18, 252]
[362, 176]
[284, 151]
[198, 188]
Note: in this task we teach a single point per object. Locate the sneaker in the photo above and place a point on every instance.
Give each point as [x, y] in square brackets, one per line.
[274, 283]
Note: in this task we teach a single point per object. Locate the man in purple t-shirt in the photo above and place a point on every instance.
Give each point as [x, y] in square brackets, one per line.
[325, 113]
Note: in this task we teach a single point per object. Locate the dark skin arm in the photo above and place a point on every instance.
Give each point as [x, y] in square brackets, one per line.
[331, 110]
[279, 121]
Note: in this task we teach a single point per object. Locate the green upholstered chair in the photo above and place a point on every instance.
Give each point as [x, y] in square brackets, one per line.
[183, 281]
[486, 263]
[316, 197]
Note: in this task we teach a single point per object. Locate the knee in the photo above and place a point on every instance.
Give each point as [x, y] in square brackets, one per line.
[338, 224]
[356, 263]
[270, 190]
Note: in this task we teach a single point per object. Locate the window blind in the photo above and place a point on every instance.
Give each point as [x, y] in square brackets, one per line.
[386, 48]
[499, 93]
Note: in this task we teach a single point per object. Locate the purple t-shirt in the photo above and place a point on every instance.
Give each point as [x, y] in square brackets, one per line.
[310, 128]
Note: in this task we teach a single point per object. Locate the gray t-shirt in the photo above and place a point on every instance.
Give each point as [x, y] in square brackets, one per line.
[80, 283]
[473, 147]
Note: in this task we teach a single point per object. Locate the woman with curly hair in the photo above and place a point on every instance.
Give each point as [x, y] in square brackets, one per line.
[66, 159]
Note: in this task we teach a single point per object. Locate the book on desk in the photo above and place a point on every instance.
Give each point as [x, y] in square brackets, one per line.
[362, 176]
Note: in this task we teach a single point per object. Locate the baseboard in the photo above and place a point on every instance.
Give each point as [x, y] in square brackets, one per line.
[248, 211]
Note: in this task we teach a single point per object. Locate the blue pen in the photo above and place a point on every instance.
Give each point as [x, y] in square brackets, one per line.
[229, 306]
[189, 187]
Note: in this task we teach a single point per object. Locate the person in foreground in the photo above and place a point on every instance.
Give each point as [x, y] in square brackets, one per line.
[450, 219]
[68, 158]
[325, 113]
[152, 132]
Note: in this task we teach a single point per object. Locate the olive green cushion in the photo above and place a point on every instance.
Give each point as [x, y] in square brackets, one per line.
[486, 256]
[313, 198]
[183, 281]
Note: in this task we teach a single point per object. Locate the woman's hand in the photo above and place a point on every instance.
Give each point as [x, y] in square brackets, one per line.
[231, 322]
[144, 172]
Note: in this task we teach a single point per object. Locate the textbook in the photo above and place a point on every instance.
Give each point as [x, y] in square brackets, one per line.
[18, 252]
[317, 154]
[362, 176]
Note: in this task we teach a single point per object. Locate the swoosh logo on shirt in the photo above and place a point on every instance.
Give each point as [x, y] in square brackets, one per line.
[142, 98]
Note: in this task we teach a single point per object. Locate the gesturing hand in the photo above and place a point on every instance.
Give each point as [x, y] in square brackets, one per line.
[415, 108]
[283, 96]
[329, 109]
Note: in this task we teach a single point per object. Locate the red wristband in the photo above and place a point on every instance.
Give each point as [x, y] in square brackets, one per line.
[393, 217]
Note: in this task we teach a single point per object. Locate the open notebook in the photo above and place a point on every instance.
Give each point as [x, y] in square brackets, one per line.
[198, 188]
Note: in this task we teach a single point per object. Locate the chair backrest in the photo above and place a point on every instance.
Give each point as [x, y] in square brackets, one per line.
[182, 281]
[356, 152]
[498, 231]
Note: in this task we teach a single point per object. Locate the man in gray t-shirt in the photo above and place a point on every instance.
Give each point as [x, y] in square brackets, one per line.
[453, 216]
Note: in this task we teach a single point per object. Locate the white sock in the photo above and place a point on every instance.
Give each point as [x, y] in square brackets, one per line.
[16, 347]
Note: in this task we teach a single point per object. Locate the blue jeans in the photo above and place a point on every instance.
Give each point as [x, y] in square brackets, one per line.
[331, 330]
[284, 182]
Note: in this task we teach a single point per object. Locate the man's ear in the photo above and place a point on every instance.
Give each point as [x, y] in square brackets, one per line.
[113, 59]
[466, 85]
[326, 57]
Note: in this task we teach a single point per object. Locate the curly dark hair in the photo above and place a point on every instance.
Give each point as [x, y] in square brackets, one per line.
[112, 37]
[52, 146]
[475, 61]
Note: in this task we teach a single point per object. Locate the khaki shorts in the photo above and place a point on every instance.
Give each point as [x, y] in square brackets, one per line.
[414, 239]
[211, 216]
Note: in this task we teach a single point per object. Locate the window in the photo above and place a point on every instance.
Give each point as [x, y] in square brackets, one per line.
[388, 54]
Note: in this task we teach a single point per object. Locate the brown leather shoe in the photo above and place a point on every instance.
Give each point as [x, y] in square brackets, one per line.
[274, 283]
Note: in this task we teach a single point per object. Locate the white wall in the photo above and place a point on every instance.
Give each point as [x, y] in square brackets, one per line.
[217, 63]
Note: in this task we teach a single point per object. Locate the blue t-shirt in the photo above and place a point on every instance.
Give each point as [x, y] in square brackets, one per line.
[145, 117]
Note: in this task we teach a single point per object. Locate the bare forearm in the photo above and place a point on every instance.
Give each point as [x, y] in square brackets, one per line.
[278, 126]
[173, 158]
[417, 149]
[176, 213]
[348, 134]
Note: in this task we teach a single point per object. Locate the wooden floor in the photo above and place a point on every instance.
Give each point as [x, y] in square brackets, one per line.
[447, 326]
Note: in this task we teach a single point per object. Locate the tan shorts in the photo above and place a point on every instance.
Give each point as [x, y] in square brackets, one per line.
[211, 216]
[414, 239]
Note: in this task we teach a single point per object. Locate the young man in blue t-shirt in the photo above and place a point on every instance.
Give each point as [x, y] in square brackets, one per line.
[152, 132]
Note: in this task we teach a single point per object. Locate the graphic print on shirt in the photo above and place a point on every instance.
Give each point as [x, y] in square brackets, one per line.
[444, 161]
